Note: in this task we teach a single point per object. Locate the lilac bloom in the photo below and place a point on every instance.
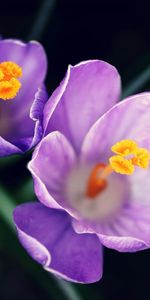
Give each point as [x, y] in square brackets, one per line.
[22, 95]
[90, 174]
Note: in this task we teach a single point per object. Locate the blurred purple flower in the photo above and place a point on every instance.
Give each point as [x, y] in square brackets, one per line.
[21, 101]
[79, 134]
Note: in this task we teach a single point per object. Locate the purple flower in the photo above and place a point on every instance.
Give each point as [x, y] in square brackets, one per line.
[90, 174]
[22, 95]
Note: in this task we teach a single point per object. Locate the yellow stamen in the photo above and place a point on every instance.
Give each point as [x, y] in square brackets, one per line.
[9, 89]
[9, 84]
[125, 147]
[1, 75]
[121, 165]
[142, 158]
[10, 70]
[106, 171]
[129, 155]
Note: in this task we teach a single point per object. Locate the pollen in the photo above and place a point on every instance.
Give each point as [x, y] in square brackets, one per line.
[121, 165]
[125, 147]
[9, 89]
[1, 74]
[9, 84]
[129, 155]
[142, 158]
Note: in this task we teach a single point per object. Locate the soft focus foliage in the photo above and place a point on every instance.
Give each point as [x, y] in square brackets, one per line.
[73, 31]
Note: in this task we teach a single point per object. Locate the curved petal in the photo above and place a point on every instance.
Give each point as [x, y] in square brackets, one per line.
[7, 148]
[127, 120]
[19, 144]
[48, 237]
[36, 114]
[128, 232]
[88, 90]
[51, 162]
[15, 114]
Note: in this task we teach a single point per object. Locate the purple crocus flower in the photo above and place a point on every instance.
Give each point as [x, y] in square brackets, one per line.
[22, 95]
[90, 174]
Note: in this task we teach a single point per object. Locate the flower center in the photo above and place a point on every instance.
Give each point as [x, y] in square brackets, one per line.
[128, 155]
[9, 84]
[97, 180]
[99, 206]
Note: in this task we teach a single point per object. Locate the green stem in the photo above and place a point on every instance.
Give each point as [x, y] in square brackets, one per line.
[4, 161]
[136, 84]
[68, 288]
[6, 208]
[41, 20]
[63, 290]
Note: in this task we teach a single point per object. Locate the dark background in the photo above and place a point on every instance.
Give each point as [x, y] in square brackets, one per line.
[117, 32]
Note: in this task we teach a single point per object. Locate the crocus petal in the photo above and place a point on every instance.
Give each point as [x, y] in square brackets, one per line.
[48, 237]
[51, 162]
[7, 148]
[15, 114]
[88, 90]
[127, 120]
[128, 232]
[36, 114]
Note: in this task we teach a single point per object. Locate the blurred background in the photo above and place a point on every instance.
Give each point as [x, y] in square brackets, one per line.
[72, 31]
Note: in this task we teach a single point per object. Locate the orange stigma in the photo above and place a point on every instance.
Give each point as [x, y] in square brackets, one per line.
[128, 155]
[97, 181]
[9, 84]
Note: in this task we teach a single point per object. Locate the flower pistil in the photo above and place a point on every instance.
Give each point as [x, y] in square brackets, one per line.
[128, 155]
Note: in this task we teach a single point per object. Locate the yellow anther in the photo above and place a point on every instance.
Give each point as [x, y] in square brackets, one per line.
[9, 89]
[1, 74]
[129, 155]
[9, 84]
[142, 158]
[125, 147]
[10, 70]
[121, 165]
